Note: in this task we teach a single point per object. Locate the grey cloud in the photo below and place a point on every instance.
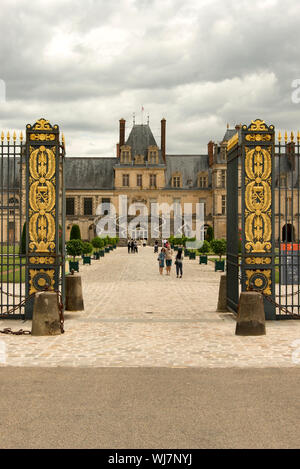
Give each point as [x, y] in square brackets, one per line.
[200, 64]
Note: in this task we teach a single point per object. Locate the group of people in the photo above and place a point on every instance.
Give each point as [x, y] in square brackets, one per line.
[132, 246]
[165, 257]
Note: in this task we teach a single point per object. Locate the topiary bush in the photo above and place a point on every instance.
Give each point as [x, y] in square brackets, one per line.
[97, 243]
[219, 247]
[205, 248]
[87, 248]
[75, 232]
[74, 248]
[209, 234]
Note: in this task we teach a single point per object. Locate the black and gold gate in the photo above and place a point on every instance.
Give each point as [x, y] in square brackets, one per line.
[32, 217]
[44, 210]
[263, 181]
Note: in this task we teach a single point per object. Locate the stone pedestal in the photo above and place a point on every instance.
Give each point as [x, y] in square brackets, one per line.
[74, 299]
[222, 301]
[45, 320]
[251, 315]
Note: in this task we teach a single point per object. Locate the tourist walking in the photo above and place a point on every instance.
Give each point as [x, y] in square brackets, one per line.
[135, 246]
[155, 246]
[132, 245]
[178, 263]
[161, 260]
[129, 246]
[169, 254]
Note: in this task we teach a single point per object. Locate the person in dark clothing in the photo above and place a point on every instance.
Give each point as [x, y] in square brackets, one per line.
[132, 246]
[129, 246]
[156, 246]
[178, 263]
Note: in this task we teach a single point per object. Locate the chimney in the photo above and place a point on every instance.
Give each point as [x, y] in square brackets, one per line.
[121, 135]
[210, 151]
[163, 139]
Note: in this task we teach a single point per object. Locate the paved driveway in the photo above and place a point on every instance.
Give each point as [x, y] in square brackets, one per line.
[135, 317]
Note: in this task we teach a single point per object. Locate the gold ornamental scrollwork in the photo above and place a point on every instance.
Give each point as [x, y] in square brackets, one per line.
[42, 199]
[42, 124]
[258, 125]
[258, 260]
[260, 280]
[258, 200]
[259, 138]
[39, 279]
[42, 137]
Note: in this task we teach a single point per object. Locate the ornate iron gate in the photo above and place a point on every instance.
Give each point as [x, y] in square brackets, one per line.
[264, 203]
[32, 190]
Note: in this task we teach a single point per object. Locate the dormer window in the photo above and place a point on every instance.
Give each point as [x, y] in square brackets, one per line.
[202, 180]
[176, 180]
[152, 154]
[125, 154]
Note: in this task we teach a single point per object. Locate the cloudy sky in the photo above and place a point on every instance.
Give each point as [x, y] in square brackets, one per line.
[198, 63]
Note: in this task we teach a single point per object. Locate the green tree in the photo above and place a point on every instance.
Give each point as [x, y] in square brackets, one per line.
[97, 243]
[205, 248]
[219, 247]
[209, 234]
[87, 248]
[75, 232]
[74, 248]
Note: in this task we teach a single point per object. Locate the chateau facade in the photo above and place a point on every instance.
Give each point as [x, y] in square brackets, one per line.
[146, 174]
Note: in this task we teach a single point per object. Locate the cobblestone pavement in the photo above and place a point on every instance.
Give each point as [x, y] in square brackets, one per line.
[135, 317]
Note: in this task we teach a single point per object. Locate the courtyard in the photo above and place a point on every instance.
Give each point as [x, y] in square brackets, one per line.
[134, 317]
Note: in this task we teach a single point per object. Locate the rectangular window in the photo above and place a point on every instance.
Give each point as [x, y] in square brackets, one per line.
[223, 178]
[106, 205]
[88, 206]
[202, 181]
[125, 180]
[70, 206]
[153, 180]
[139, 180]
[176, 181]
[223, 204]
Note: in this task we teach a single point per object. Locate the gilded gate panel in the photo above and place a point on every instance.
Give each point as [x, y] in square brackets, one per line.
[257, 216]
[42, 174]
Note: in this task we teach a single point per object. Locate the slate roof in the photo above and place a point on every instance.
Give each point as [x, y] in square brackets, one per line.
[189, 166]
[140, 138]
[229, 134]
[89, 173]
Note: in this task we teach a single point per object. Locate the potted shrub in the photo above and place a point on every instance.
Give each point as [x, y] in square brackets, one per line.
[87, 249]
[192, 254]
[75, 232]
[219, 248]
[97, 244]
[74, 248]
[205, 248]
